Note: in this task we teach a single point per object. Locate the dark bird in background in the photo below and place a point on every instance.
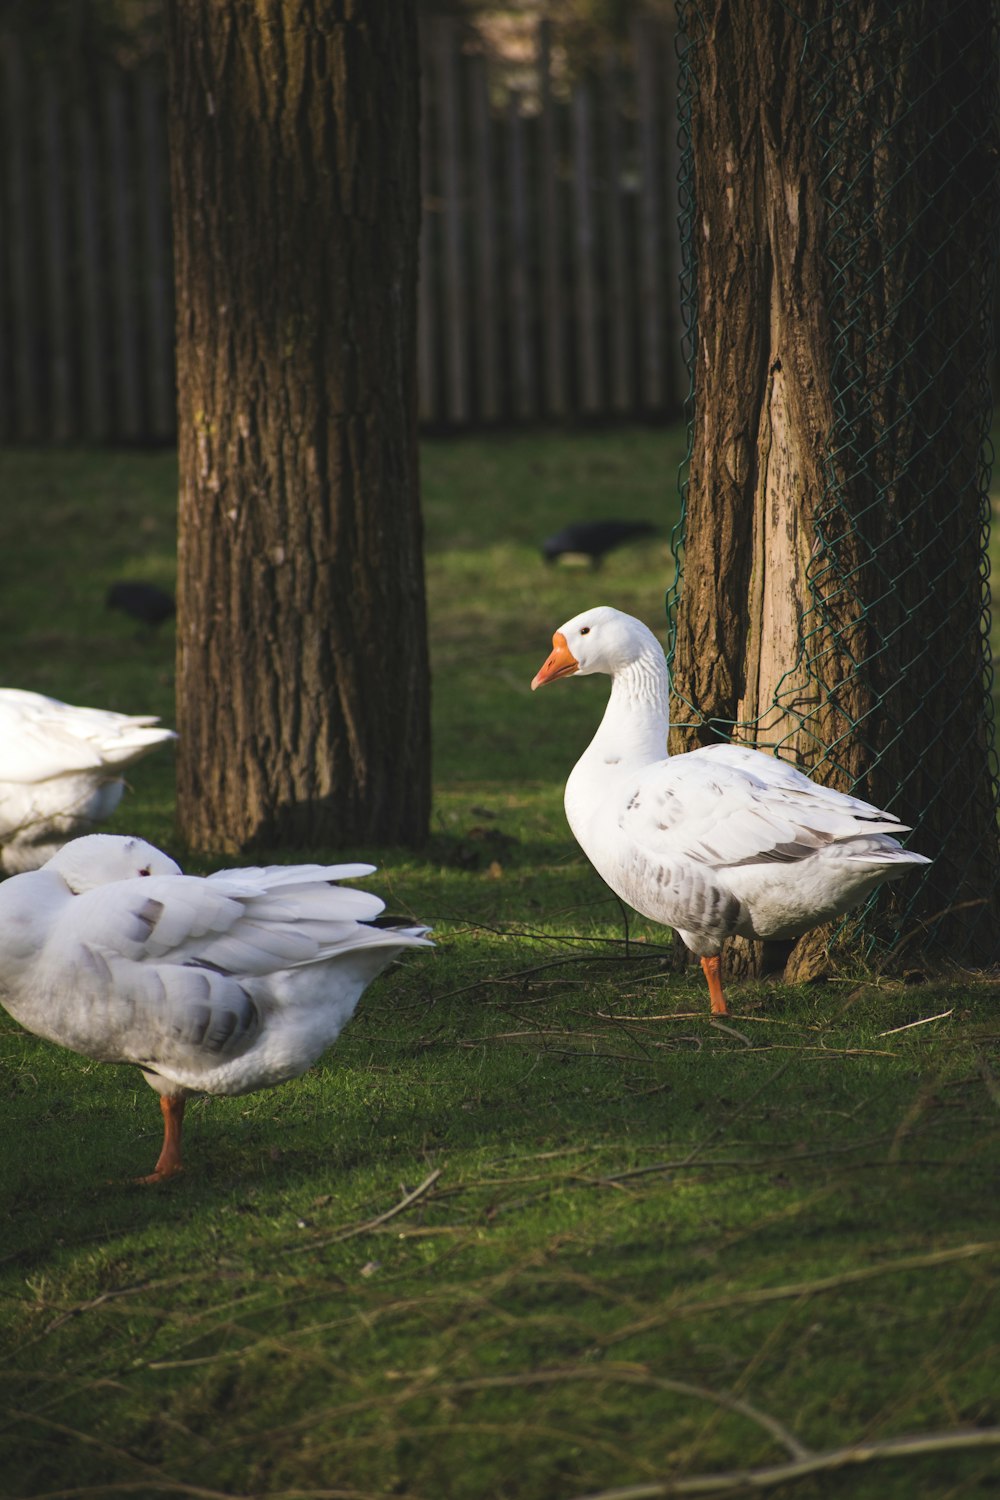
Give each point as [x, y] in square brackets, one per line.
[594, 538]
[145, 602]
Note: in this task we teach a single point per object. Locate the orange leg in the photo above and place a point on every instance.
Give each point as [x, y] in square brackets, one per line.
[713, 973]
[169, 1164]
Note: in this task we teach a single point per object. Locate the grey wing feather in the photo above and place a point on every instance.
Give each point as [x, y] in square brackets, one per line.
[151, 1013]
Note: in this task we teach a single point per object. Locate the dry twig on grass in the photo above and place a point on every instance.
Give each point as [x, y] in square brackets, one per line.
[733, 1480]
[407, 1201]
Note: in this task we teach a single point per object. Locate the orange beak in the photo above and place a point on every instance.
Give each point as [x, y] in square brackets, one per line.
[560, 663]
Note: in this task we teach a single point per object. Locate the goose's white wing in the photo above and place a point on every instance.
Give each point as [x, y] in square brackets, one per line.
[41, 738]
[728, 806]
[239, 922]
[179, 1021]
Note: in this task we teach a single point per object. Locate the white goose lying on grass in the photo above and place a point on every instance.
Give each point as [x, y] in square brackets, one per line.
[217, 985]
[61, 771]
[717, 842]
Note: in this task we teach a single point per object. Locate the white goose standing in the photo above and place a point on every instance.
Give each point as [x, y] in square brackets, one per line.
[221, 984]
[716, 842]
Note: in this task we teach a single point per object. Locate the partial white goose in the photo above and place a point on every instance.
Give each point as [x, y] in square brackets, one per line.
[716, 842]
[61, 771]
[217, 985]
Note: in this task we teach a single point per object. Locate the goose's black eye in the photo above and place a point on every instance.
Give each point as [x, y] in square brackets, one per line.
[584, 629]
[145, 872]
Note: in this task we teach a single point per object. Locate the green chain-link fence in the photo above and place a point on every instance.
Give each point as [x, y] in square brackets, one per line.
[899, 620]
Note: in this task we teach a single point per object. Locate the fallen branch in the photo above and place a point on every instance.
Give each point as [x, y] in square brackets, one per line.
[910, 1446]
[517, 976]
[607, 1375]
[339, 1235]
[743, 1163]
[407, 1201]
[721, 1026]
[755, 1296]
[926, 1021]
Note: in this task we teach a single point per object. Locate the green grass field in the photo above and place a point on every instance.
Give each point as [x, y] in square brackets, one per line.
[537, 1228]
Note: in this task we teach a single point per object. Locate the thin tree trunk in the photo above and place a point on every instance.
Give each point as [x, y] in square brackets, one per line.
[302, 658]
[844, 186]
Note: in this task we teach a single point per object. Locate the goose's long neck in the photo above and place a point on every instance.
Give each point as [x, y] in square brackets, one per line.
[634, 728]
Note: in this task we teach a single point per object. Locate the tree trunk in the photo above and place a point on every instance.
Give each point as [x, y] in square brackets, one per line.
[302, 670]
[844, 181]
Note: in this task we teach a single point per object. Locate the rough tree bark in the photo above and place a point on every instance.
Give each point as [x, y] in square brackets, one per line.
[302, 674]
[844, 181]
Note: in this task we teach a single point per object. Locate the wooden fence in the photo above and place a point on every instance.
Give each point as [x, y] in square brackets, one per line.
[549, 253]
[86, 303]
